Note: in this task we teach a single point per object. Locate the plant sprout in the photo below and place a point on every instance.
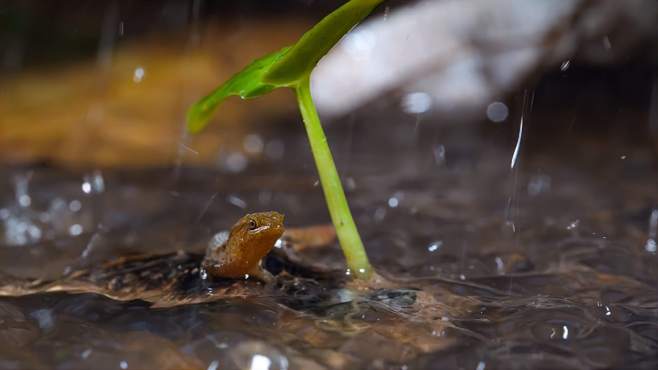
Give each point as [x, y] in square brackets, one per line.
[291, 67]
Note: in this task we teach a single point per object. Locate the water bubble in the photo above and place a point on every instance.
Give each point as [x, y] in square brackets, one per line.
[274, 149]
[75, 229]
[497, 111]
[260, 362]
[75, 206]
[565, 332]
[565, 65]
[86, 353]
[416, 102]
[123, 364]
[623, 157]
[435, 246]
[481, 366]
[214, 365]
[651, 246]
[235, 162]
[348, 272]
[24, 200]
[86, 187]
[393, 202]
[138, 74]
[253, 144]
[203, 274]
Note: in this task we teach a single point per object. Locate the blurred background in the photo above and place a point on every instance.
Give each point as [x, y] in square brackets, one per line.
[106, 83]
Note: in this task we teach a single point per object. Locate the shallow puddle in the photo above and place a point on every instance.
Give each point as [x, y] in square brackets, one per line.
[551, 264]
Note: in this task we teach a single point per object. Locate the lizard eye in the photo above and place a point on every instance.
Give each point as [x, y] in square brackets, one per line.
[252, 225]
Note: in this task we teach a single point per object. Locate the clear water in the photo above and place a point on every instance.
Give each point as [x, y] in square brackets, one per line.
[546, 265]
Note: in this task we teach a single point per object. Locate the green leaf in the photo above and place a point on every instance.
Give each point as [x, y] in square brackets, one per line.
[314, 44]
[246, 84]
[284, 68]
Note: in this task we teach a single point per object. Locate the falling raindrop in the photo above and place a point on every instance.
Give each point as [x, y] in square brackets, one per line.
[650, 245]
[21, 189]
[439, 154]
[565, 65]
[214, 365]
[416, 102]
[517, 147]
[509, 210]
[236, 201]
[435, 246]
[93, 183]
[573, 225]
[500, 266]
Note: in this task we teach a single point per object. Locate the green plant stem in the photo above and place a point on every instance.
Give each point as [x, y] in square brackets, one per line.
[348, 235]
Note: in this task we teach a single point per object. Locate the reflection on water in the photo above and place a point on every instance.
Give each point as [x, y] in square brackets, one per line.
[571, 286]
